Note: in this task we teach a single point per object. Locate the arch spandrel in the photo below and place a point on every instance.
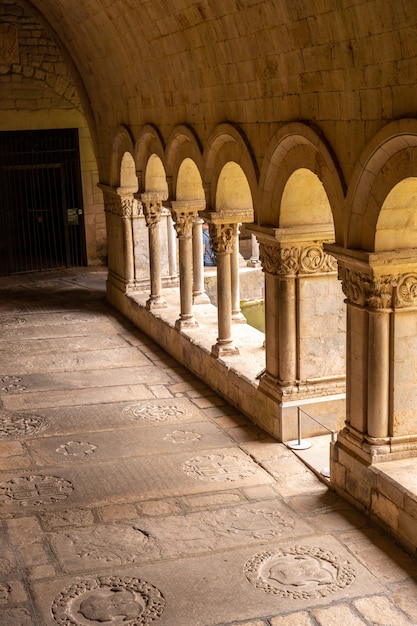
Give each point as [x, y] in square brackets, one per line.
[297, 153]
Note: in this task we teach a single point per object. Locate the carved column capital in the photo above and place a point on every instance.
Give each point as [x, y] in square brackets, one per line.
[152, 208]
[184, 213]
[365, 290]
[183, 223]
[222, 237]
[297, 259]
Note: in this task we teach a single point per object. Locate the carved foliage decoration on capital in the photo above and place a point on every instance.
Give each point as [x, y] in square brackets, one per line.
[123, 206]
[222, 237]
[374, 292]
[152, 211]
[270, 258]
[183, 222]
[314, 259]
[296, 260]
[406, 291]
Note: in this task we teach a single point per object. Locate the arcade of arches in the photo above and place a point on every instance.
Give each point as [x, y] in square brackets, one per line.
[293, 121]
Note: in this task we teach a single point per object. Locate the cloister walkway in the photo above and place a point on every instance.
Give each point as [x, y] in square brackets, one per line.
[130, 493]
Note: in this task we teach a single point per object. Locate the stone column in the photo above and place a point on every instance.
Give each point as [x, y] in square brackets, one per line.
[280, 316]
[120, 207]
[183, 214]
[237, 315]
[222, 242]
[152, 208]
[199, 293]
[172, 248]
[304, 327]
[254, 260]
[381, 412]
[222, 226]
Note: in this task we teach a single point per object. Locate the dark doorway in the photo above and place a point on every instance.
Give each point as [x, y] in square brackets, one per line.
[41, 212]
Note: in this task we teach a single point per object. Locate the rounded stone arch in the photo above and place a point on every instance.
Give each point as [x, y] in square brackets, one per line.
[183, 156]
[233, 190]
[128, 178]
[189, 184]
[154, 176]
[149, 142]
[300, 168]
[122, 145]
[228, 144]
[382, 177]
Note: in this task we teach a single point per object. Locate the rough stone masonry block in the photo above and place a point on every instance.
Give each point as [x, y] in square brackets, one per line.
[359, 489]
[385, 510]
[407, 529]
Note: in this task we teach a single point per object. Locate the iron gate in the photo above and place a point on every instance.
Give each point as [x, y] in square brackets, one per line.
[41, 212]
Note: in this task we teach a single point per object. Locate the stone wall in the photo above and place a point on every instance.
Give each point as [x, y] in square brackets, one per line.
[37, 91]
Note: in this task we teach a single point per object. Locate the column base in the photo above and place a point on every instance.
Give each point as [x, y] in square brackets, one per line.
[239, 318]
[224, 349]
[201, 298]
[156, 302]
[186, 322]
[373, 450]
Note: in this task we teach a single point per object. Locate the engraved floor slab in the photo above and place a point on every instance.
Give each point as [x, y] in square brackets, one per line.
[148, 539]
[141, 414]
[245, 584]
[98, 447]
[139, 478]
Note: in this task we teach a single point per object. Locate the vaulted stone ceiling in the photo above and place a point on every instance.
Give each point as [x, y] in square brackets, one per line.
[339, 63]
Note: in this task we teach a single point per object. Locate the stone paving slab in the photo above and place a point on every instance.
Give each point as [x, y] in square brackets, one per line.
[62, 318]
[15, 383]
[147, 539]
[131, 480]
[241, 584]
[98, 447]
[140, 414]
[65, 397]
[73, 361]
[21, 332]
[58, 344]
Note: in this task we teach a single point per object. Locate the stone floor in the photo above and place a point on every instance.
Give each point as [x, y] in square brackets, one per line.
[131, 494]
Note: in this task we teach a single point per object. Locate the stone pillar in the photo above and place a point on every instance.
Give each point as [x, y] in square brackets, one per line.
[121, 208]
[381, 415]
[254, 260]
[183, 214]
[152, 208]
[199, 292]
[172, 248]
[237, 315]
[280, 318]
[222, 243]
[222, 226]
